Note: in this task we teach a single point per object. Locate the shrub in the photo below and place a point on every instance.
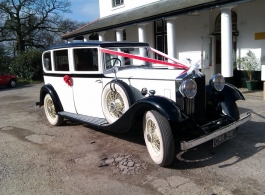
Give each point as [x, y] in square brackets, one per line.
[249, 63]
[27, 65]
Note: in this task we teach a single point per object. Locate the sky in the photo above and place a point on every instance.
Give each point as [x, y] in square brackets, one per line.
[83, 10]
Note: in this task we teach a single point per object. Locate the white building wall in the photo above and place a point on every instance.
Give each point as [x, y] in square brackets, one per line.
[110, 35]
[131, 33]
[251, 20]
[106, 8]
[188, 35]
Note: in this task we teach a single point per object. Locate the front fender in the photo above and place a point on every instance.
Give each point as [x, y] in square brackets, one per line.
[164, 106]
[56, 101]
[230, 92]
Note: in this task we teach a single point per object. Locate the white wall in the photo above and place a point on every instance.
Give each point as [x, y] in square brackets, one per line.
[189, 31]
[251, 20]
[106, 9]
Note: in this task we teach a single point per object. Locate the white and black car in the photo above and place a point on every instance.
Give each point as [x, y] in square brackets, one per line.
[110, 85]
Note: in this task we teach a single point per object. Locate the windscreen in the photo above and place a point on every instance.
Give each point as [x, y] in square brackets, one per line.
[113, 59]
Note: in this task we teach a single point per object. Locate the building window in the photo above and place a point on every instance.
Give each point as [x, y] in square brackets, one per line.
[218, 22]
[124, 35]
[116, 3]
[161, 37]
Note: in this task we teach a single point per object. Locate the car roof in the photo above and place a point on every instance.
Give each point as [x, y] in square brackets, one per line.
[98, 43]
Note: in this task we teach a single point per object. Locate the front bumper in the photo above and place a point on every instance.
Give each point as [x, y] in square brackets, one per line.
[185, 145]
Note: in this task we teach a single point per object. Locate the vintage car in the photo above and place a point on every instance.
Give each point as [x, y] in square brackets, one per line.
[8, 80]
[111, 85]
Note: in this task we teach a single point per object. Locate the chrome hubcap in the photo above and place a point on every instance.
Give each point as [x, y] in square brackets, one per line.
[115, 104]
[13, 83]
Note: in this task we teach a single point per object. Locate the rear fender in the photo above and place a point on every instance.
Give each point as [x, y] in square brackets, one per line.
[56, 100]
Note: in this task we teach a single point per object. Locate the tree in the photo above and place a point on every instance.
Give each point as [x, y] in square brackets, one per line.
[32, 23]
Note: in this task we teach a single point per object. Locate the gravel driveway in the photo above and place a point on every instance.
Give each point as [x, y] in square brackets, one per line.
[36, 158]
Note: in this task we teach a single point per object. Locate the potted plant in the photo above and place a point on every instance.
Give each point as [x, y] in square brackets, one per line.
[249, 63]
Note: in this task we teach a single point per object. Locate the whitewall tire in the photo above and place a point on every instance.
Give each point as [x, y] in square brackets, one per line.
[50, 112]
[116, 99]
[158, 138]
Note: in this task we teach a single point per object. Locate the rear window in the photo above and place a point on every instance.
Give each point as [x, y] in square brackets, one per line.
[47, 61]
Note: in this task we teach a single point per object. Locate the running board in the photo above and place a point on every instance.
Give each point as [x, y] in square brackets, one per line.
[89, 120]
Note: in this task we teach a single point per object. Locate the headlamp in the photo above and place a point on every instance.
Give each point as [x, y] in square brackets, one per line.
[217, 82]
[188, 88]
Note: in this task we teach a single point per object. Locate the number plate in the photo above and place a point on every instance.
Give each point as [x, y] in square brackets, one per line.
[226, 136]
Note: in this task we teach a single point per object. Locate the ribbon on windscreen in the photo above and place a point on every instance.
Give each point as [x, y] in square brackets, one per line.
[146, 59]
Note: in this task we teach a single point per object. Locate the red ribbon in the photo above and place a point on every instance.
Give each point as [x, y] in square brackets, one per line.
[177, 65]
[68, 80]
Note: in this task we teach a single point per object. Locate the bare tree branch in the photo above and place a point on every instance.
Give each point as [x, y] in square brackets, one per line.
[26, 21]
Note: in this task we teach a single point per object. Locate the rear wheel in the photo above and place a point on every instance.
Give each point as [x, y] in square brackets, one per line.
[158, 138]
[50, 112]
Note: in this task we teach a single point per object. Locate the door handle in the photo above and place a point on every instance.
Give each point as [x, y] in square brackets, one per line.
[98, 81]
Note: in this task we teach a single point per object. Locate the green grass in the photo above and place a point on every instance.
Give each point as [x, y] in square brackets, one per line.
[27, 82]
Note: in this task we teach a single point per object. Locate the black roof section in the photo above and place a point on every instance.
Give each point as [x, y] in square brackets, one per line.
[147, 13]
[98, 43]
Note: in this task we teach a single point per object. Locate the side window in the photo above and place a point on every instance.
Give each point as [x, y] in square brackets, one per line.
[47, 61]
[86, 59]
[61, 62]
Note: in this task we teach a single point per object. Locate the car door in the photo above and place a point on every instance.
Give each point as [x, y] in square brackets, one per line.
[87, 82]
[3, 79]
[56, 67]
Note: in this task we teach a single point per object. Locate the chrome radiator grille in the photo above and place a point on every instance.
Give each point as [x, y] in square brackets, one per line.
[196, 107]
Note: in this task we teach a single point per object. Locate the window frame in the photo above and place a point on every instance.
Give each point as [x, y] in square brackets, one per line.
[86, 71]
[54, 60]
[51, 61]
[116, 4]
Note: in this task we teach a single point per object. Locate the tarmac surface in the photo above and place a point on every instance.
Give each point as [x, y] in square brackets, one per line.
[37, 158]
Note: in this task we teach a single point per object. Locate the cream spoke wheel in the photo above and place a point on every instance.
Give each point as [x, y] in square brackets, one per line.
[50, 111]
[115, 104]
[153, 137]
[116, 99]
[158, 138]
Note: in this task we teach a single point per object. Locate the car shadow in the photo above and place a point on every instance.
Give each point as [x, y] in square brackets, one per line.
[133, 135]
[250, 139]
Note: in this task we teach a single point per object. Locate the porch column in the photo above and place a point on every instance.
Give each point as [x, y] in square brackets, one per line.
[86, 38]
[101, 36]
[226, 43]
[70, 40]
[171, 49]
[141, 32]
[119, 34]
[141, 36]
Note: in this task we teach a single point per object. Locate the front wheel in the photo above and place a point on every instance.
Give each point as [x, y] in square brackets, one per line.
[158, 138]
[50, 112]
